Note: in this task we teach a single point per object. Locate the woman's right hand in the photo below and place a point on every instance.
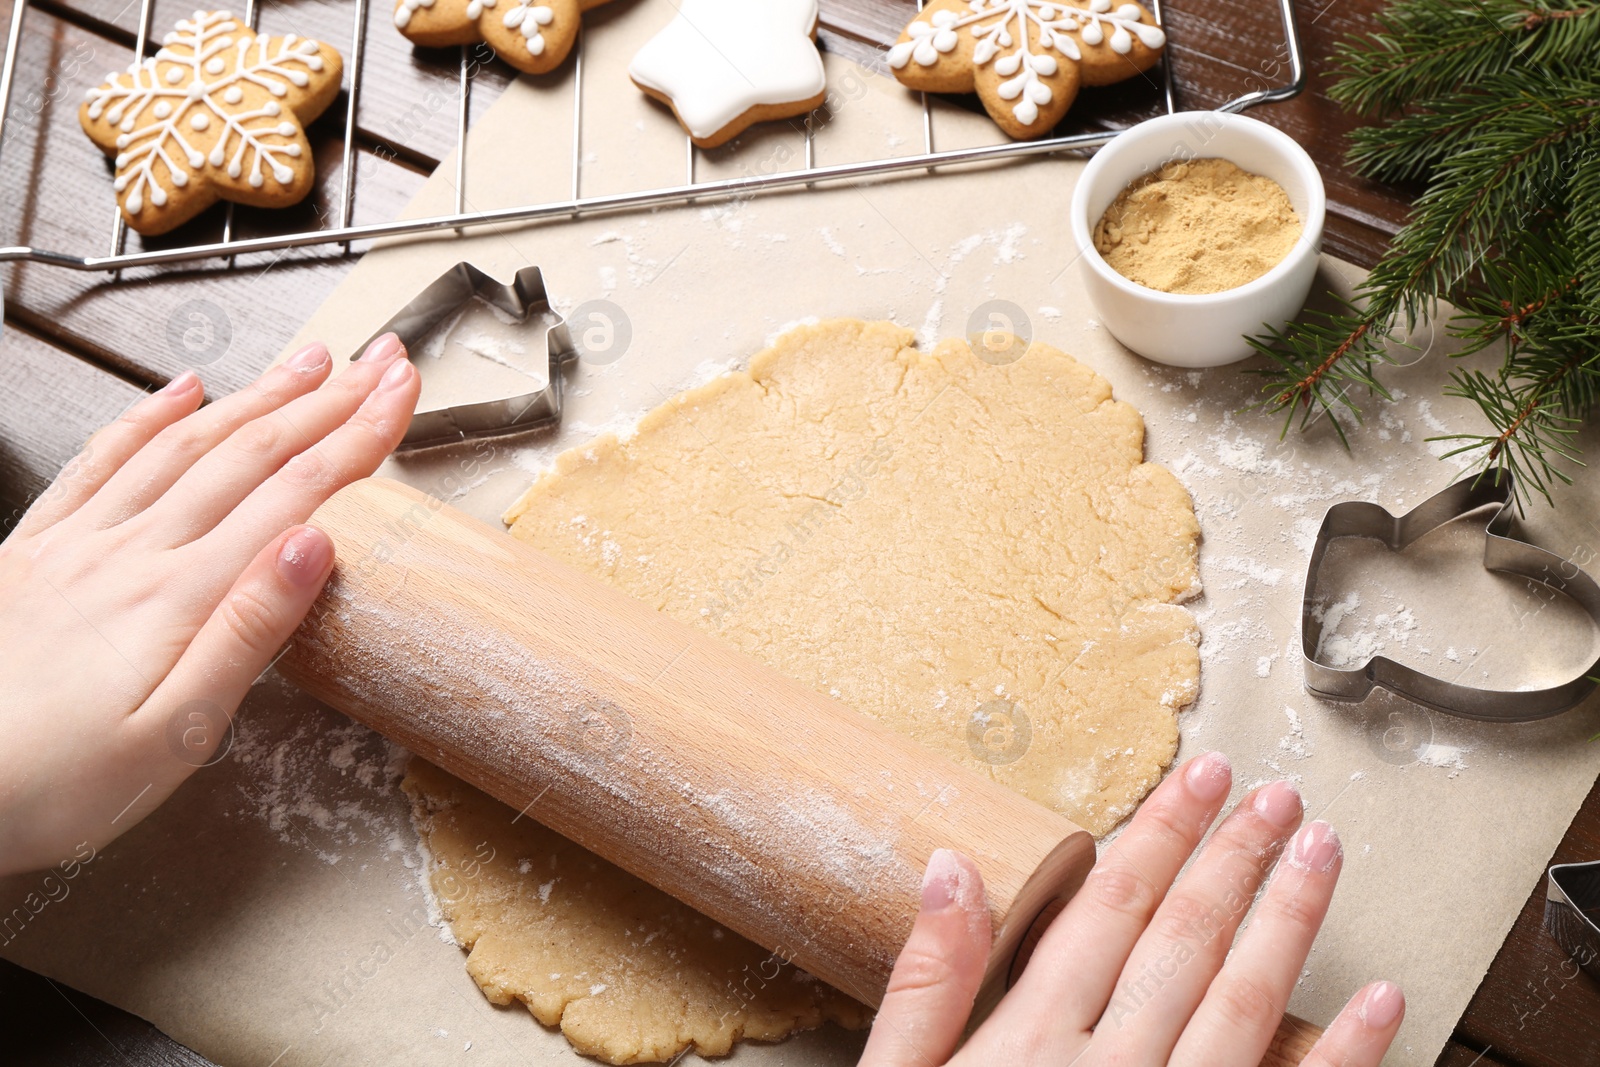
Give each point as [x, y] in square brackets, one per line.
[1142, 967]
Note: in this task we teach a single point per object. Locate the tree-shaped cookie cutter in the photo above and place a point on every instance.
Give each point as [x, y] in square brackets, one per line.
[1503, 551]
[522, 297]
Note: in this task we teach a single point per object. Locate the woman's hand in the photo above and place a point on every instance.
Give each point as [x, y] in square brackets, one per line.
[1141, 966]
[159, 575]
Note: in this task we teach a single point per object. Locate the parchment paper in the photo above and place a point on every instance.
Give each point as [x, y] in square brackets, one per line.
[271, 912]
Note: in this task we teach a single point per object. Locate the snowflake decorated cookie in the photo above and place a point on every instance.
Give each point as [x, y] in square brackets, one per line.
[1025, 58]
[722, 65]
[532, 35]
[218, 113]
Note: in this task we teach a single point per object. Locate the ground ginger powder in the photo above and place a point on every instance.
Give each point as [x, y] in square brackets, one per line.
[1199, 226]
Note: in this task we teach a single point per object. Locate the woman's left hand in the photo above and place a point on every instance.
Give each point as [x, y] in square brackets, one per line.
[159, 575]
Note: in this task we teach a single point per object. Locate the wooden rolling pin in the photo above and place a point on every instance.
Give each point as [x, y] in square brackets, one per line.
[782, 814]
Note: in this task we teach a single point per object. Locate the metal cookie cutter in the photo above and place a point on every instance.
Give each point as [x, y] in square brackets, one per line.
[1571, 900]
[505, 413]
[1503, 551]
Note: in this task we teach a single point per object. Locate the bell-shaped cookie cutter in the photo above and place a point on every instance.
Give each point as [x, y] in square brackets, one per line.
[1503, 551]
[1571, 897]
[523, 296]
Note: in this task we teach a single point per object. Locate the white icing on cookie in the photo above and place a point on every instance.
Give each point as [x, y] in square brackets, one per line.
[530, 19]
[1000, 28]
[406, 8]
[718, 59]
[158, 85]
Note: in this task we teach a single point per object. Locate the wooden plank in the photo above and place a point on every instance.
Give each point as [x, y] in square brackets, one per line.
[54, 401]
[1456, 1054]
[876, 21]
[62, 200]
[51, 1025]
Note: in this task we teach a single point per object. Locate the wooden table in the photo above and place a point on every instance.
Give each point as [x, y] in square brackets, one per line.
[79, 348]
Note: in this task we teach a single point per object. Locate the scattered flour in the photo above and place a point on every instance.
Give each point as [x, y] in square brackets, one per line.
[1367, 637]
[1293, 744]
[1439, 754]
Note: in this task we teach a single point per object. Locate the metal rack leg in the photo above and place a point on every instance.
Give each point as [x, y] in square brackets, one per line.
[1166, 63]
[141, 40]
[461, 130]
[252, 18]
[347, 188]
[577, 119]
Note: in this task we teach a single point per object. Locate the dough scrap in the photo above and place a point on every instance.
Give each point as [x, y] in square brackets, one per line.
[969, 549]
[629, 974]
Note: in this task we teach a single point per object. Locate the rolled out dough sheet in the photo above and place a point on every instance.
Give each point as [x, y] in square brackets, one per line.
[971, 550]
[271, 912]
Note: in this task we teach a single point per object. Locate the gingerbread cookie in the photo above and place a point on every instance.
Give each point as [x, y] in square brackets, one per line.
[532, 35]
[218, 113]
[722, 65]
[1024, 58]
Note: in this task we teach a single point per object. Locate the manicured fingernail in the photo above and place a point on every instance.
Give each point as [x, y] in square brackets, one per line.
[396, 376]
[1382, 1006]
[179, 385]
[1209, 776]
[947, 882]
[1279, 804]
[311, 357]
[384, 348]
[1314, 848]
[305, 556]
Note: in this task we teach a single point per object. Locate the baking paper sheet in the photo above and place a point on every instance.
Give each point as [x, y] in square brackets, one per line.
[271, 912]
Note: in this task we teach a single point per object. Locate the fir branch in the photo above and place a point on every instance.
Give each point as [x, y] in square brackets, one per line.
[1355, 344]
[1502, 120]
[1411, 146]
[1428, 47]
[1536, 431]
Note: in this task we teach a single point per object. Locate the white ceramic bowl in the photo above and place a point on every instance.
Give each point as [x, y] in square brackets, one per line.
[1204, 330]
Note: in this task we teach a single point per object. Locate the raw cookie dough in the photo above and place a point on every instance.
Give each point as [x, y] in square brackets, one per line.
[940, 541]
[968, 549]
[628, 973]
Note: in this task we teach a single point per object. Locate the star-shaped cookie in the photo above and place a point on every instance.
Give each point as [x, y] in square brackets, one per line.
[532, 35]
[218, 113]
[1024, 58]
[722, 65]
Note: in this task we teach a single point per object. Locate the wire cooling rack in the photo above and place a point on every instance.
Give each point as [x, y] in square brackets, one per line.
[343, 233]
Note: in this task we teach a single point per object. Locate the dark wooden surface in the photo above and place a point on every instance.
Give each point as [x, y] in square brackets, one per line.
[80, 347]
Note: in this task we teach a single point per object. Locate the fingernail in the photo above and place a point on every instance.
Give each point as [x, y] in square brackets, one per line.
[1279, 804]
[947, 881]
[384, 348]
[1209, 776]
[1383, 1005]
[305, 557]
[310, 357]
[396, 376]
[181, 384]
[1315, 847]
